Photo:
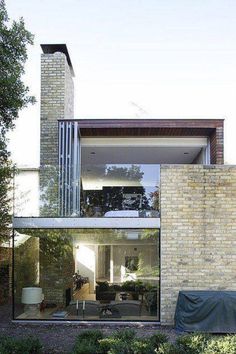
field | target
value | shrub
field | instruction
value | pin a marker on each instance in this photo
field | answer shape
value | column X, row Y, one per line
column 124, row 341
column 192, row 343
column 221, row 345
column 103, row 286
column 168, row 348
column 126, row 334
column 106, row 344
column 132, row 285
column 206, row 344
column 20, row 346
column 143, row 346
column 85, row 347
column 119, row 342
column 120, row 347
column 90, row 335
column 157, row 339
column 87, row 342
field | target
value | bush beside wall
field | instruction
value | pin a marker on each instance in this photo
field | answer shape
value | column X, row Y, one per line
column 126, row 342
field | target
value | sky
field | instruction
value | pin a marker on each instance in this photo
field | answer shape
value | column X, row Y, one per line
column 134, row 59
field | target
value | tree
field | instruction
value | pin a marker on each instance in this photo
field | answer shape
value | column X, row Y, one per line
column 14, row 39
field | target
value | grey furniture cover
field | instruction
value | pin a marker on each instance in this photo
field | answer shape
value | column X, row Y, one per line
column 206, row 311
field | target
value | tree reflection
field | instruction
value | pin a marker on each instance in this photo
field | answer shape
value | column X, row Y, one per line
column 114, row 188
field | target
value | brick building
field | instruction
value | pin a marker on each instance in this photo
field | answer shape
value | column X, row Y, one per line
column 140, row 209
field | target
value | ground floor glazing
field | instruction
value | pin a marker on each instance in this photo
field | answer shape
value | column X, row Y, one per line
column 86, row 274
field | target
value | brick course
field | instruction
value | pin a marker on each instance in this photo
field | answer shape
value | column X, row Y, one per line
column 198, row 231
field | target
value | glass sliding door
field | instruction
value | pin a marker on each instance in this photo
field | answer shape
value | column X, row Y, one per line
column 86, row 274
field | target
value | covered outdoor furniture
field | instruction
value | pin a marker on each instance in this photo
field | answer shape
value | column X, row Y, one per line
column 206, row 311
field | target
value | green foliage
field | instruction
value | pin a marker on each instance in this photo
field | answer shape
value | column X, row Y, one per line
column 13, row 55
column 54, row 243
column 20, row 346
column 206, row 344
column 106, row 344
column 157, row 339
column 119, row 343
column 111, row 198
column 120, row 347
column 168, row 348
column 26, row 260
column 132, row 285
column 192, row 343
column 14, row 39
column 143, row 346
column 6, row 174
column 103, row 286
column 125, row 342
column 126, row 334
column 87, row 342
column 221, row 345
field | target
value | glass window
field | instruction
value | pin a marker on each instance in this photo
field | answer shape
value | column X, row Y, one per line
column 90, row 274
column 120, row 190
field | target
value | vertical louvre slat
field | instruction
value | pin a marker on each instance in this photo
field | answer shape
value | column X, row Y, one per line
column 74, row 190
column 62, row 169
column 66, row 171
column 69, row 169
column 59, row 170
column 78, row 169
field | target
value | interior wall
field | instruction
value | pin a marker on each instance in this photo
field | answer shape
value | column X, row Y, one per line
column 148, row 254
column 90, row 261
column 86, row 256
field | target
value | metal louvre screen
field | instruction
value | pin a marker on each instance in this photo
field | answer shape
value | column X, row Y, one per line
column 69, row 169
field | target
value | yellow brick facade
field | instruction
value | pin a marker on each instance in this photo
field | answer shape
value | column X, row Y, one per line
column 198, row 231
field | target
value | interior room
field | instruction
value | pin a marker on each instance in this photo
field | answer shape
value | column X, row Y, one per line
column 86, row 274
column 120, row 176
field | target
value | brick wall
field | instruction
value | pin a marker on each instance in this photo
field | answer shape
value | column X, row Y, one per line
column 217, row 146
column 56, row 268
column 198, row 231
column 26, row 261
column 57, row 102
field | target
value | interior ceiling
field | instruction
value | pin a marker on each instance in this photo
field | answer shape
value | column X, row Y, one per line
column 138, row 155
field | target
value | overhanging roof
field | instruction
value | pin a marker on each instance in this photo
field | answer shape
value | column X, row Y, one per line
column 148, row 127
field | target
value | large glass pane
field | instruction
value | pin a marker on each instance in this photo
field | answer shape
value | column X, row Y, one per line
column 120, row 190
column 102, row 191
column 90, row 274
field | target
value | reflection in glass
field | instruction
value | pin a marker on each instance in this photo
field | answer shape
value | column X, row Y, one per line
column 108, row 190
column 120, row 190
column 89, row 274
